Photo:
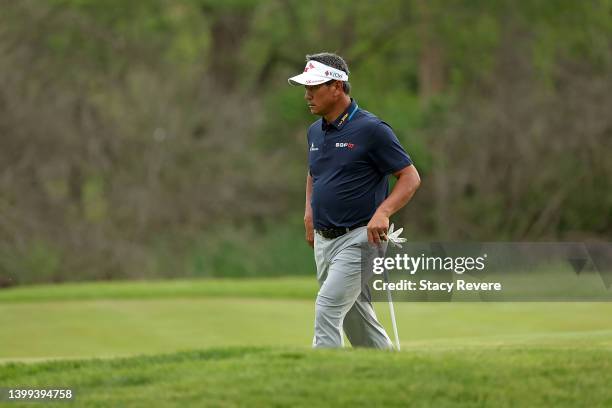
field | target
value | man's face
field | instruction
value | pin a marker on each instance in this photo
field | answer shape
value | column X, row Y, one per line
column 321, row 98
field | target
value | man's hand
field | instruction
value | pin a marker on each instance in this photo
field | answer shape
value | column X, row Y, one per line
column 377, row 228
column 408, row 181
column 309, row 227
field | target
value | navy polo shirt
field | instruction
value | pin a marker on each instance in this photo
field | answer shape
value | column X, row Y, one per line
column 350, row 160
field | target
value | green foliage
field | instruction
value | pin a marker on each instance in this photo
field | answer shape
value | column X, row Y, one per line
column 130, row 125
column 94, row 200
column 250, row 251
column 40, row 261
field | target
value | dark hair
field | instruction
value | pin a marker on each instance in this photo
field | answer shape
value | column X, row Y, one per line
column 334, row 61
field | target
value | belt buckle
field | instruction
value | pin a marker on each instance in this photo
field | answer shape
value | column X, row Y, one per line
column 338, row 232
column 334, row 233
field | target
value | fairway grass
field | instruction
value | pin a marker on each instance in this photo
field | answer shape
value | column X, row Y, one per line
column 111, row 328
column 299, row 377
column 112, row 319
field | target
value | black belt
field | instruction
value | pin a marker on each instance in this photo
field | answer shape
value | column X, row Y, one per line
column 331, row 233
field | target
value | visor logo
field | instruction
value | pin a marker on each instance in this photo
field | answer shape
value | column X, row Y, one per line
column 333, row 74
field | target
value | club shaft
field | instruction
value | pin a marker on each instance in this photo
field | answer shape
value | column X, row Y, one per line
column 392, row 313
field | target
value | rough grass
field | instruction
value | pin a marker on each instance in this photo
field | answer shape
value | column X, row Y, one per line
column 297, row 377
column 269, row 288
column 226, row 343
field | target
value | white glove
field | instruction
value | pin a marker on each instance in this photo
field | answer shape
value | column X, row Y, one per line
column 394, row 236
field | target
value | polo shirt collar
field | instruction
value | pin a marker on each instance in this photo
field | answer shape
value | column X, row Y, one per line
column 342, row 119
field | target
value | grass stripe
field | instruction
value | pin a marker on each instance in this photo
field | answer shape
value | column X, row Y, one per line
column 269, row 288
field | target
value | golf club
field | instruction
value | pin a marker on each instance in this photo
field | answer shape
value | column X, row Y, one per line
column 392, row 312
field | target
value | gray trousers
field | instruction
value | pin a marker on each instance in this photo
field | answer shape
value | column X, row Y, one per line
column 341, row 303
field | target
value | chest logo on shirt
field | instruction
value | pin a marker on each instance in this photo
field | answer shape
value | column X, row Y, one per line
column 345, row 145
column 313, row 148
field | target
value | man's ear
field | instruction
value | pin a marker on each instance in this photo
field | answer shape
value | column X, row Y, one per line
column 339, row 87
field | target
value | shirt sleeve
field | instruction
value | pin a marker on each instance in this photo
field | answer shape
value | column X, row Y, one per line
column 386, row 152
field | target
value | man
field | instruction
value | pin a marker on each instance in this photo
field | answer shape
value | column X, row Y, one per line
column 351, row 154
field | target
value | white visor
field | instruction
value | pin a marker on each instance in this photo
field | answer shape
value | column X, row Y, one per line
column 316, row 73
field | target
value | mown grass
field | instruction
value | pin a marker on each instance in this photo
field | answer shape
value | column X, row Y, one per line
column 298, row 377
column 245, row 343
column 121, row 327
column 109, row 319
column 269, row 288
